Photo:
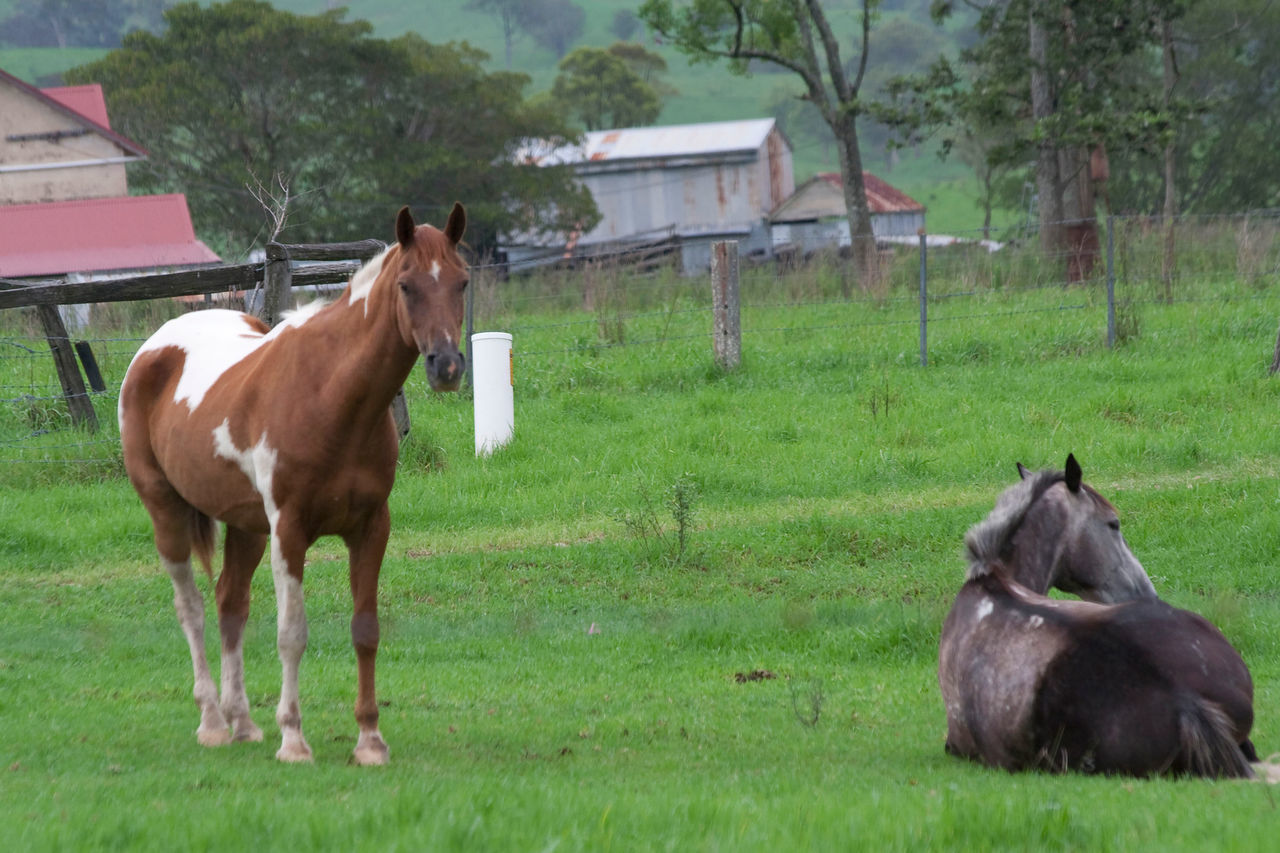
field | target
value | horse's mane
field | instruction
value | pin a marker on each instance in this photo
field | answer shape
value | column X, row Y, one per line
column 986, row 540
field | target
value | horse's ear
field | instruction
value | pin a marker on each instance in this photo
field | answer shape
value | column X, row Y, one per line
column 1023, row 473
column 1074, row 474
column 404, row 227
column 457, row 223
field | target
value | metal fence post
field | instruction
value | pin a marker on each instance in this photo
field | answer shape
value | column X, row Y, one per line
column 726, row 339
column 1111, row 281
column 924, row 300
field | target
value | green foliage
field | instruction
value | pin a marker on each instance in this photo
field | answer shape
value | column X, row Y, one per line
column 354, row 126
column 600, row 88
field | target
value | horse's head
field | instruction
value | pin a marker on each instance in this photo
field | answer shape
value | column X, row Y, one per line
column 432, row 278
column 1053, row 530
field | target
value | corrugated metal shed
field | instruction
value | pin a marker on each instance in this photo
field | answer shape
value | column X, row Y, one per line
column 715, row 140
column 696, row 182
column 815, row 216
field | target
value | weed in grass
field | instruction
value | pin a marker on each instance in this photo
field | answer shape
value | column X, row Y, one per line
column 1128, row 323
column 807, row 699
column 648, row 525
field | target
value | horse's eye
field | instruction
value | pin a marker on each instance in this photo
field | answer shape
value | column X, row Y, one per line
column 1114, row 524
column 404, row 287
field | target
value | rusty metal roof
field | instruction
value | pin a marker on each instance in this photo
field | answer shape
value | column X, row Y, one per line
column 822, row 196
column 655, row 143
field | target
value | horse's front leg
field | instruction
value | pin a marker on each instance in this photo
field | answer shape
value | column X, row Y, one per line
column 288, row 551
column 366, row 550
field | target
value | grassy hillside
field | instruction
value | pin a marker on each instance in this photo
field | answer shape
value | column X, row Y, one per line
column 706, row 91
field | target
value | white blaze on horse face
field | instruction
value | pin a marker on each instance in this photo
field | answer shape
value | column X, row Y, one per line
column 362, row 281
column 984, row 608
column 435, row 270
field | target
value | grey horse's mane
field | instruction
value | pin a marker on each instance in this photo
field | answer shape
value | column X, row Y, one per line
column 986, row 540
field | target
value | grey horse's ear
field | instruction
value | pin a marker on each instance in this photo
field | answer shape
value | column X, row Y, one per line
column 1023, row 472
column 1074, row 474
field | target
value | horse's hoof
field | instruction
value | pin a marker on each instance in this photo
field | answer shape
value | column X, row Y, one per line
column 294, row 751
column 246, row 732
column 213, row 736
column 294, row 756
column 372, row 756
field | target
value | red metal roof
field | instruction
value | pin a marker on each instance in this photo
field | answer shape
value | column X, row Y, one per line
column 881, row 197
column 86, row 100
column 98, row 235
column 70, row 103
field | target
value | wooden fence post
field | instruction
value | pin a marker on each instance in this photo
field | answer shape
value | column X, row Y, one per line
column 277, row 284
column 726, row 338
column 64, row 359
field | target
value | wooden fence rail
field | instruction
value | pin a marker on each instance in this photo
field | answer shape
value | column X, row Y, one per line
column 329, row 263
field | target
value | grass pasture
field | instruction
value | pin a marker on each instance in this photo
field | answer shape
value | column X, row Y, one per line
column 823, row 488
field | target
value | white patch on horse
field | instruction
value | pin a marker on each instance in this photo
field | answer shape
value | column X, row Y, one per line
column 362, row 281
column 1036, row 620
column 984, row 608
column 258, row 464
column 435, row 270
column 213, row 342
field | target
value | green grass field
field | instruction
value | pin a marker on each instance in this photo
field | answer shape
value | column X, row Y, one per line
column 827, row 484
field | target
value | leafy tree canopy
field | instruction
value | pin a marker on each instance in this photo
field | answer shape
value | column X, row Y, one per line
column 239, row 93
column 600, row 88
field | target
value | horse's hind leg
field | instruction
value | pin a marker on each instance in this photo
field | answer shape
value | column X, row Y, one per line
column 173, row 541
column 243, row 552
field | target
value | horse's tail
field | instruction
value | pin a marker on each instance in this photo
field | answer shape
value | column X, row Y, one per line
column 204, row 531
column 1209, row 747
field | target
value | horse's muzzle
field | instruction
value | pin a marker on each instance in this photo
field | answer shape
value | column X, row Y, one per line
column 445, row 369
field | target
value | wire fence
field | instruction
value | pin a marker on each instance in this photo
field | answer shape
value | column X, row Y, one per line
column 590, row 311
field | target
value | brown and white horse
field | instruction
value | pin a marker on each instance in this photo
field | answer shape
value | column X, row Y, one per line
column 1119, row 683
column 287, row 433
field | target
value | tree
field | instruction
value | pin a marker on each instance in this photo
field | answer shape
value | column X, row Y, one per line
column 1067, row 84
column 556, row 24
column 602, row 91
column 796, row 35
column 240, row 93
column 624, row 24
column 76, row 23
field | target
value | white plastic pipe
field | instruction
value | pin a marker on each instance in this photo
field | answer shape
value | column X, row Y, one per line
column 493, row 379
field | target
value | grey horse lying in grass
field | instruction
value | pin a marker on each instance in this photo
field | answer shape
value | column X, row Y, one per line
column 1118, row 683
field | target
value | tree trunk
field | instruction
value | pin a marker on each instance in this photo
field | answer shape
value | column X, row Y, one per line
column 1080, row 228
column 1168, row 264
column 1048, row 180
column 862, row 239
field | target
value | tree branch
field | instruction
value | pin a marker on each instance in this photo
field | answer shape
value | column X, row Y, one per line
column 812, row 79
column 831, row 47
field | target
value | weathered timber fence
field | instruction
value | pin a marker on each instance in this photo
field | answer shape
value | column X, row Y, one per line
column 331, row 263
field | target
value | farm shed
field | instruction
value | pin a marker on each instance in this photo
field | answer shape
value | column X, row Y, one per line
column 815, row 217
column 65, row 208
column 693, row 183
